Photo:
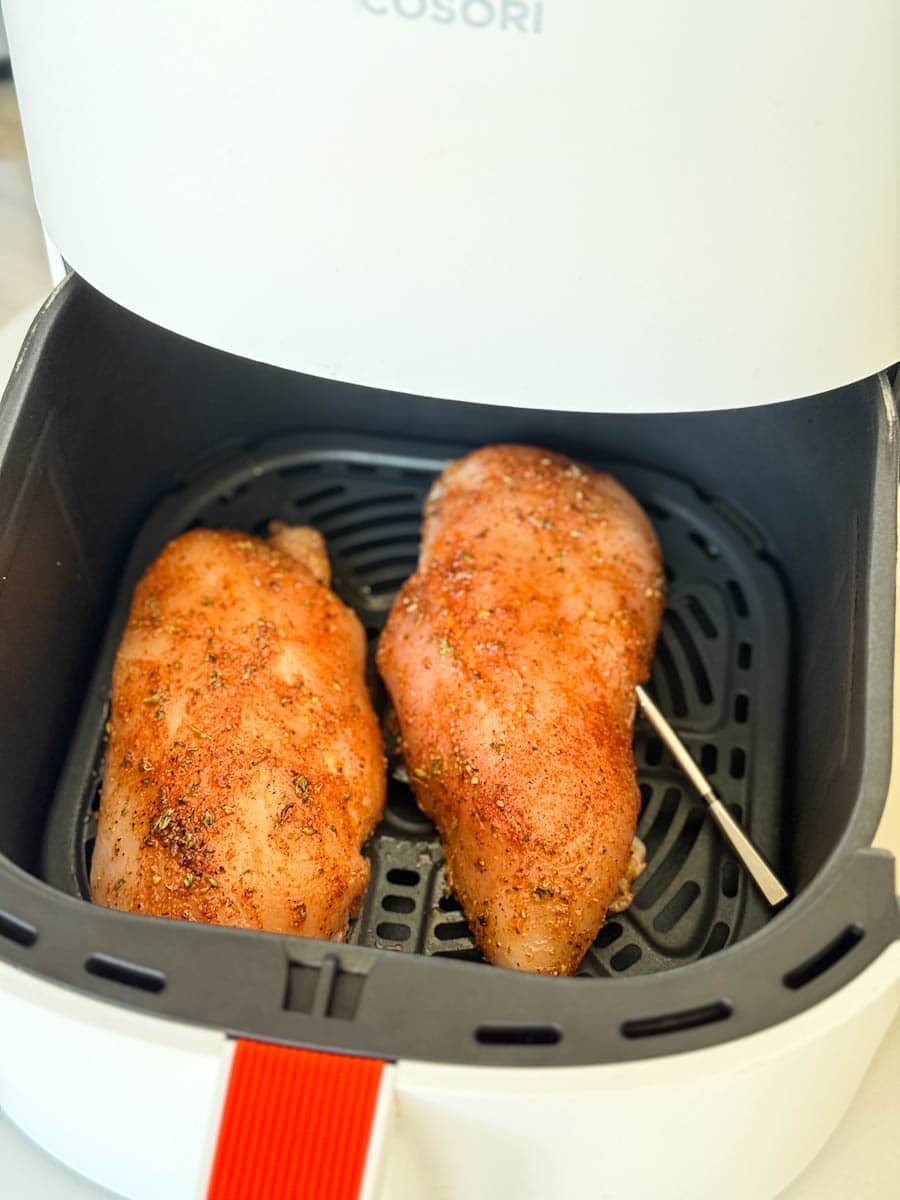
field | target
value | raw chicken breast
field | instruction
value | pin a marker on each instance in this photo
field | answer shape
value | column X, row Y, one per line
column 512, row 657
column 244, row 769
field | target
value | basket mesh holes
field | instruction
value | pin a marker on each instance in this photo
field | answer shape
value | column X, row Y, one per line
column 301, row 470
column 610, row 933
column 364, row 505
column 738, row 599
column 654, row 836
column 730, row 877
column 653, row 888
column 692, row 655
column 745, row 656
column 669, row 916
column 654, row 509
column 738, row 763
column 665, row 665
column 626, row 957
column 709, row 759
column 449, row 904
column 399, row 539
column 451, row 931
column 229, row 497
column 704, row 621
column 388, row 562
column 375, row 519
column 393, row 931
column 718, row 936
column 403, row 810
column 741, row 708
column 326, row 493
column 402, row 876
column 398, row 904
column 653, row 752
column 393, row 583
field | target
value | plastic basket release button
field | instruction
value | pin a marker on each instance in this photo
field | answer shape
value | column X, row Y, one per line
column 296, row 1123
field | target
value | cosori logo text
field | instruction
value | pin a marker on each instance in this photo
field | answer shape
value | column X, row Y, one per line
column 508, row 16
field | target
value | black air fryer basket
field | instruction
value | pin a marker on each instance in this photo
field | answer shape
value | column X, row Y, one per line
column 775, row 664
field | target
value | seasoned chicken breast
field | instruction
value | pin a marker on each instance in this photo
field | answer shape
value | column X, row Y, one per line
column 244, row 769
column 512, row 657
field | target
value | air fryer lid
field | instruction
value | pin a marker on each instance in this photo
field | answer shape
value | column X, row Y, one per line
column 524, row 204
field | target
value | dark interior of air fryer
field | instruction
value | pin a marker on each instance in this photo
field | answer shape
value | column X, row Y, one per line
column 766, row 521
column 722, row 657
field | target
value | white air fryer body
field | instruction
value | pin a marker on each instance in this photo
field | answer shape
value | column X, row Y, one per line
column 683, row 1127
column 554, row 204
column 570, row 204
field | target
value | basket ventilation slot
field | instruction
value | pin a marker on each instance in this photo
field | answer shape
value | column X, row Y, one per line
column 119, row 970
column 17, row 930
column 518, row 1035
column 689, row 1018
column 832, row 954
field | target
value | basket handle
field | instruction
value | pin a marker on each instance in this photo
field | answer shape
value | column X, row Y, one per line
column 301, row 1123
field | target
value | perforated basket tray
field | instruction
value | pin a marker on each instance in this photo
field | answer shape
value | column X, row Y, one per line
column 720, row 675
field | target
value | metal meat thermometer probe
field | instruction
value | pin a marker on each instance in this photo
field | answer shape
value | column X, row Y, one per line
column 759, row 870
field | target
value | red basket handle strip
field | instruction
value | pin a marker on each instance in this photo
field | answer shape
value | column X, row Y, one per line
column 297, row 1124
